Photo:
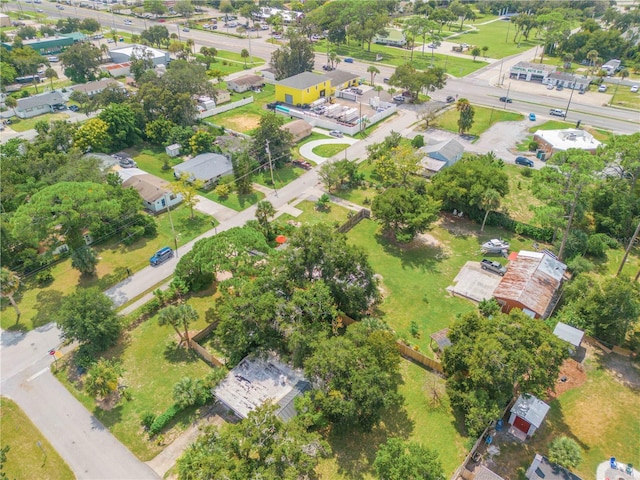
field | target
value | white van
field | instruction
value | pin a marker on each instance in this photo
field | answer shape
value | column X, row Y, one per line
column 602, row 88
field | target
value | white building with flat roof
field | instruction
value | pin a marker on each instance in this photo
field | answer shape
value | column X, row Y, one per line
column 552, row 141
column 125, row 53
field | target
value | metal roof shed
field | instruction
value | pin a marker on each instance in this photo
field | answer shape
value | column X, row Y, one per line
column 528, row 413
column 569, row 334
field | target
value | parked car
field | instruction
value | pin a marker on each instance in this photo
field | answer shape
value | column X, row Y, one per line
column 335, row 133
column 74, row 108
column 59, row 107
column 450, row 99
column 581, row 92
column 385, row 80
column 634, row 88
column 127, row 163
column 399, row 99
column 128, row 22
column 328, row 68
column 264, row 26
column 506, row 99
column 602, row 88
column 53, row 59
column 559, row 88
column 494, row 267
column 109, row 40
column 558, row 112
column 549, row 87
column 272, row 105
column 185, row 29
column 532, row 117
column 348, row 60
column 432, row 45
column 527, row 162
column 161, row 256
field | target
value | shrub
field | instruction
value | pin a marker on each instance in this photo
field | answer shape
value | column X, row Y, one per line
column 565, row 452
column 163, row 420
column 526, row 172
column 147, row 420
column 223, row 190
column 576, row 244
column 44, row 277
column 597, row 245
column 579, row 264
column 533, row 146
column 418, row 141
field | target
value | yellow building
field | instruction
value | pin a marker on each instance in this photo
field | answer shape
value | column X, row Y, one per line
column 304, row 88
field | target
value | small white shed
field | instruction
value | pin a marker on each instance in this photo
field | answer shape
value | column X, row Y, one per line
column 528, row 413
column 173, row 150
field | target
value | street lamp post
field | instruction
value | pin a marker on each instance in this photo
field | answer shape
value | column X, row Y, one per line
column 507, row 98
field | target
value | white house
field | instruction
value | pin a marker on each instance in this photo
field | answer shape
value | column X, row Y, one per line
column 38, row 104
column 154, row 191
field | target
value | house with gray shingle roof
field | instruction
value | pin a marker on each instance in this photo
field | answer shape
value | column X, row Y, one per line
column 38, row 104
column 440, row 155
column 208, row 167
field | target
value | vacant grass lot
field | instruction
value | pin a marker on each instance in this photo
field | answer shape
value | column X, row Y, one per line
column 520, row 198
column 625, row 98
column 596, row 414
column 484, row 118
column 494, row 36
column 421, row 418
column 456, row 66
column 151, row 159
column 245, row 119
column 333, row 215
column 152, row 364
column 22, row 125
column 282, row 176
column 36, row 303
column 31, row 455
column 235, row 200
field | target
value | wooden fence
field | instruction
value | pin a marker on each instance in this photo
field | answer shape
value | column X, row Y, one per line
column 421, row 358
column 353, row 221
column 204, row 354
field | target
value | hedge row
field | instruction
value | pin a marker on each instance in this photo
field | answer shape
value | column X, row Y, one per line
column 162, row 420
column 501, row 220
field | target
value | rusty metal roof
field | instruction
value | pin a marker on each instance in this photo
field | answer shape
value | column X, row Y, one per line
column 532, row 280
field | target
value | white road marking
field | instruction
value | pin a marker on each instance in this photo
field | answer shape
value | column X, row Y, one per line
column 37, row 374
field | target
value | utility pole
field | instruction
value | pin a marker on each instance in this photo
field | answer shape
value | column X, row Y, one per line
column 570, row 97
column 173, row 232
column 505, row 100
column 628, row 250
column 273, row 182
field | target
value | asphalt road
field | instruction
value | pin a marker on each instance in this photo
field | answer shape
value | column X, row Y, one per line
column 84, row 443
column 479, row 87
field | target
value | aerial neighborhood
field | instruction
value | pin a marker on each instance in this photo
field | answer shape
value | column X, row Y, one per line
column 320, row 239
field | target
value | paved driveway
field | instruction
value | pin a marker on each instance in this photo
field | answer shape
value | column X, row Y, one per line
column 82, row 441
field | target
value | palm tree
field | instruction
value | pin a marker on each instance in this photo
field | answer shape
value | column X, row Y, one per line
column 50, row 73
column 12, row 103
column 592, row 55
column 490, row 201
column 9, row 285
column 264, row 211
column 104, row 49
column 191, row 45
column 178, row 316
column 373, row 71
column 244, row 54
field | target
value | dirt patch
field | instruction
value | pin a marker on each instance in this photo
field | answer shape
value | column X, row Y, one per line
column 243, row 123
column 571, row 375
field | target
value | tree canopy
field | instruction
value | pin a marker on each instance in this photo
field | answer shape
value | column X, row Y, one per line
column 81, row 61
column 260, row 446
column 88, row 316
column 294, row 58
column 400, row 460
column 493, row 359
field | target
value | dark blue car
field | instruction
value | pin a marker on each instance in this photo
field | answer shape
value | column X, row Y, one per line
column 161, row 256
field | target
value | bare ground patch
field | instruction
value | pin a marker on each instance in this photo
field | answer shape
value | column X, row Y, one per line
column 243, row 123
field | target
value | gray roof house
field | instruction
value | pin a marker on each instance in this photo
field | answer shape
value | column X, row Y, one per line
column 94, row 88
column 155, row 192
column 527, row 414
column 342, row 79
column 38, row 104
column 541, row 468
column 208, row 167
column 245, row 82
column 440, row 155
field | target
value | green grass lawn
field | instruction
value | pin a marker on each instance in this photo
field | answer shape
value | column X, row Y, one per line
column 364, row 194
column 246, row 118
column 597, row 414
column 328, row 151
column 22, row 125
column 36, row 303
column 520, row 198
column 420, row 418
column 30, row 455
column 334, row 215
column 314, row 136
column 484, row 118
column 415, row 276
column 625, row 98
column 151, row 159
column 282, row 176
column 234, row 200
column 494, row 36
column 152, row 364
column 456, row 66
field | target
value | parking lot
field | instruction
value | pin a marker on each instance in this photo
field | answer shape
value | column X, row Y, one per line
column 474, row 283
